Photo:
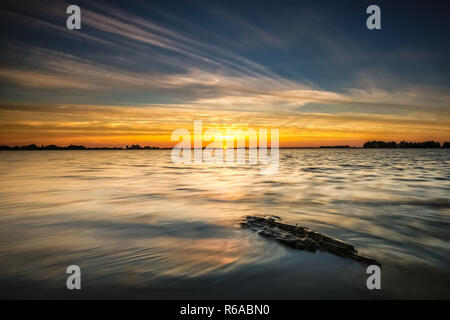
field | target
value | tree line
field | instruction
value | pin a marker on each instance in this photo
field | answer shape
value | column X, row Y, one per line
column 75, row 147
column 405, row 144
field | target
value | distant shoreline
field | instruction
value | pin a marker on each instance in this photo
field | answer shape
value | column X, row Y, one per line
column 25, row 148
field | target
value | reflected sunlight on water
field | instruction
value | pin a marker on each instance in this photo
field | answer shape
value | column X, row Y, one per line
column 135, row 221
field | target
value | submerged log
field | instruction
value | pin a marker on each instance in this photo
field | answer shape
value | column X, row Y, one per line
column 302, row 238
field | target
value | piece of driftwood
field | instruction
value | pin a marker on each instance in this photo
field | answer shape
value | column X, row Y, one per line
column 302, row 238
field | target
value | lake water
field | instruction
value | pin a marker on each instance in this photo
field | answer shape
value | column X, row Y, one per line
column 140, row 226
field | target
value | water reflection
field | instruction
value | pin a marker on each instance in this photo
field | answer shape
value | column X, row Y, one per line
column 134, row 220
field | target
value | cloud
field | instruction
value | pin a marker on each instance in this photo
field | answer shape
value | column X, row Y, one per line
column 41, row 123
column 222, row 67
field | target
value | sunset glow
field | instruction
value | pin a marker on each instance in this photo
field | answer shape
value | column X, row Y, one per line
column 133, row 77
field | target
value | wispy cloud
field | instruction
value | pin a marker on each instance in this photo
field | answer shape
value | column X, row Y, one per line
column 120, row 125
column 211, row 62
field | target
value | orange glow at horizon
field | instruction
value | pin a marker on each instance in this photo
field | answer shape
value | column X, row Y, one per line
column 110, row 126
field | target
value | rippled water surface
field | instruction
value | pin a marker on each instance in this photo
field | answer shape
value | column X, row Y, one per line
column 140, row 226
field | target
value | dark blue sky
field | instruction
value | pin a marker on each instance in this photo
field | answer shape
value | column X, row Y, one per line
column 323, row 44
column 261, row 56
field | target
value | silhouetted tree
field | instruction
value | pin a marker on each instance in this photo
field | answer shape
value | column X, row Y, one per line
column 380, row 144
column 30, row 147
column 425, row 144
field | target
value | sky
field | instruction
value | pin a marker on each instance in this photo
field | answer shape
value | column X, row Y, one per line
column 138, row 70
